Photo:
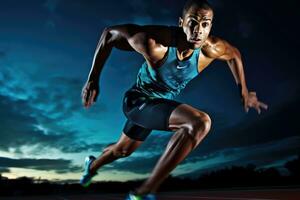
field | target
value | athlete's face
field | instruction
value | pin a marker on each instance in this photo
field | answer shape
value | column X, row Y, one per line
column 196, row 25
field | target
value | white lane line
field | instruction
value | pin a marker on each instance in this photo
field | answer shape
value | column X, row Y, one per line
column 225, row 198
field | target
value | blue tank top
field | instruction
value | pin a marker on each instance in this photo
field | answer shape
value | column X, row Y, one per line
column 170, row 78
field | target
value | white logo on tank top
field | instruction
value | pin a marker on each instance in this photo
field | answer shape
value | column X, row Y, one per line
column 181, row 67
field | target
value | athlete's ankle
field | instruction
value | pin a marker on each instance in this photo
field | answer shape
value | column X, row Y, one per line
column 141, row 191
column 92, row 168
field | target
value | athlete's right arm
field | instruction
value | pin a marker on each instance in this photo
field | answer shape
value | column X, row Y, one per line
column 130, row 37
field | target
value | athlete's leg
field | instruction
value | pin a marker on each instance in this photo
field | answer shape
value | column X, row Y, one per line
column 190, row 126
column 131, row 138
column 123, row 148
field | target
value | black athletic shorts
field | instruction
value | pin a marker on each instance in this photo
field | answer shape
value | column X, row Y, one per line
column 145, row 113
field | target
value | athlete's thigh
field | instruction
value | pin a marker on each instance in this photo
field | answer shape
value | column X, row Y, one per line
column 183, row 115
column 135, row 132
column 153, row 113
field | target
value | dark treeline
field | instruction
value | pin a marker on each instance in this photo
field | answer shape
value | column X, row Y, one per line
column 235, row 176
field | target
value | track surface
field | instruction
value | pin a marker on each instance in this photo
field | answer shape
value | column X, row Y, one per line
column 271, row 194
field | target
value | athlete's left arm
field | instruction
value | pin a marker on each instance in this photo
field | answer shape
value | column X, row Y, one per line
column 220, row 49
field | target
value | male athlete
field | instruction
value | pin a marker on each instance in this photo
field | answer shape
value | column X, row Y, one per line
column 174, row 56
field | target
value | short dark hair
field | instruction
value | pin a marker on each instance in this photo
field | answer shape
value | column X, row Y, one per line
column 199, row 3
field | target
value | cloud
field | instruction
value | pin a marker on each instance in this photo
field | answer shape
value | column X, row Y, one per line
column 35, row 110
column 17, row 83
column 57, row 165
column 42, row 94
column 60, row 98
column 18, row 129
column 4, row 170
column 78, row 147
column 138, row 165
column 12, row 135
column 260, row 155
column 63, row 94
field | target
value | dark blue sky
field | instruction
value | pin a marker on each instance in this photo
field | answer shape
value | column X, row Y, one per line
column 46, row 51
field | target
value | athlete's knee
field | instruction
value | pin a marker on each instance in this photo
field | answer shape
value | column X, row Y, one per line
column 199, row 125
column 120, row 152
column 109, row 147
column 206, row 121
column 117, row 151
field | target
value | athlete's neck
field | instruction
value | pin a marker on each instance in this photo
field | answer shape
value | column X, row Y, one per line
column 183, row 49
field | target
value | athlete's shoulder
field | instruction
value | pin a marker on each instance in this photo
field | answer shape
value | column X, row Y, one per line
column 142, row 34
column 156, row 40
column 214, row 47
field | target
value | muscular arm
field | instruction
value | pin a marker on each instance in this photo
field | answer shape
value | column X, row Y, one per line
column 129, row 37
column 217, row 48
column 149, row 41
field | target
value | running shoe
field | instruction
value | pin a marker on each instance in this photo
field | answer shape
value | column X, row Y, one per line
column 87, row 176
column 132, row 196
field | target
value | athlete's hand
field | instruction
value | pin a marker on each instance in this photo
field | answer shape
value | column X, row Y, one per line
column 250, row 101
column 89, row 93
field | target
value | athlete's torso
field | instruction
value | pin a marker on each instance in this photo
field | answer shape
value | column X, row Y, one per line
column 167, row 80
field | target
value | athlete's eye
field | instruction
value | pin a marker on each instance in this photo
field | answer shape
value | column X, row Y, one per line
column 192, row 23
column 205, row 24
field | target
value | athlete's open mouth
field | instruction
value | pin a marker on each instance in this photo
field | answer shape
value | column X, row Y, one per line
column 195, row 40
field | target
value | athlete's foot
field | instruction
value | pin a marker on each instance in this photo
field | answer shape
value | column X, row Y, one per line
column 133, row 196
column 87, row 176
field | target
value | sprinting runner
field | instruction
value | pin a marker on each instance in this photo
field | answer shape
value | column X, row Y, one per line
column 173, row 57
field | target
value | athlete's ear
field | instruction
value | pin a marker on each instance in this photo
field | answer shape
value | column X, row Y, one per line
column 180, row 22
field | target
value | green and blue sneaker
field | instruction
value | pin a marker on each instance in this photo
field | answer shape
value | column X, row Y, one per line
column 132, row 196
column 87, row 176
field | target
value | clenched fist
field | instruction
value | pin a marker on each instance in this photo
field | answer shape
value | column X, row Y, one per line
column 90, row 92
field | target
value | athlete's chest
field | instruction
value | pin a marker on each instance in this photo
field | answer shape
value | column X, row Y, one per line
column 168, row 56
column 179, row 71
column 174, row 72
